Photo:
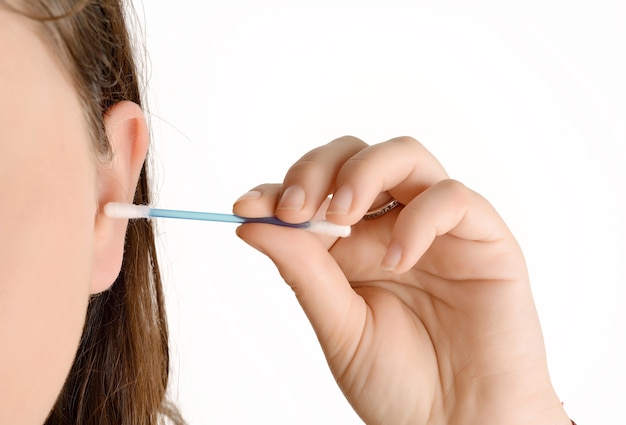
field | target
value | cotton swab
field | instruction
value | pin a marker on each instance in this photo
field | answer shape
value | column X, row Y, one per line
column 122, row 210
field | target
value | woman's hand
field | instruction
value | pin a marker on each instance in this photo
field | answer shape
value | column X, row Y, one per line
column 425, row 314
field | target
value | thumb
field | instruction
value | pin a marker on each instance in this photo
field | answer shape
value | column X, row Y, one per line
column 335, row 311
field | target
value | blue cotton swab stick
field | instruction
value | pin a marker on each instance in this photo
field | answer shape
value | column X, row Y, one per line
column 122, row 210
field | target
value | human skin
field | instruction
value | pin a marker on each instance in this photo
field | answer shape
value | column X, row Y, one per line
column 425, row 314
column 450, row 336
column 56, row 248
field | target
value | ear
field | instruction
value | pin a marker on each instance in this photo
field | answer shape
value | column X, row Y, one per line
column 128, row 136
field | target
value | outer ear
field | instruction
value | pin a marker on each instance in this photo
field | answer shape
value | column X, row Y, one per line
column 128, row 135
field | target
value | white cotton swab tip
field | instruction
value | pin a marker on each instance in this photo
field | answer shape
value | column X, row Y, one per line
column 324, row 227
column 121, row 210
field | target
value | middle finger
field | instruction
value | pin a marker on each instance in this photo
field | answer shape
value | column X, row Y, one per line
column 311, row 179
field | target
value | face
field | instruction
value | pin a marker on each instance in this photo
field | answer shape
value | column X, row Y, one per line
column 47, row 213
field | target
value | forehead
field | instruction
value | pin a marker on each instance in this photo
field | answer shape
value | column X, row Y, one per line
column 31, row 75
column 41, row 114
column 27, row 50
column 21, row 47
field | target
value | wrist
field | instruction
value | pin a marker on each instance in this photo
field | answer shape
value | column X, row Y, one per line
column 517, row 402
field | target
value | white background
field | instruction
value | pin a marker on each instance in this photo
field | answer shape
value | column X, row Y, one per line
column 522, row 101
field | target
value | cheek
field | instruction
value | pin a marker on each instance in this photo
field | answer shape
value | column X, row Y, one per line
column 51, row 206
column 47, row 213
column 47, row 186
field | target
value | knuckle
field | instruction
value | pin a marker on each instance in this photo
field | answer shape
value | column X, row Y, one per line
column 454, row 186
column 355, row 168
column 407, row 140
column 456, row 191
column 350, row 140
column 267, row 188
column 307, row 167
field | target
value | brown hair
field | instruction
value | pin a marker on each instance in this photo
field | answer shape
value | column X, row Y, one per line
column 120, row 373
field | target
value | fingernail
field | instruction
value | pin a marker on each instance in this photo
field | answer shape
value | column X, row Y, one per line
column 253, row 194
column 292, row 199
column 392, row 258
column 341, row 201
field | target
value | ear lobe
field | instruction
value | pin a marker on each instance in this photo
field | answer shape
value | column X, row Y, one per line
column 128, row 135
